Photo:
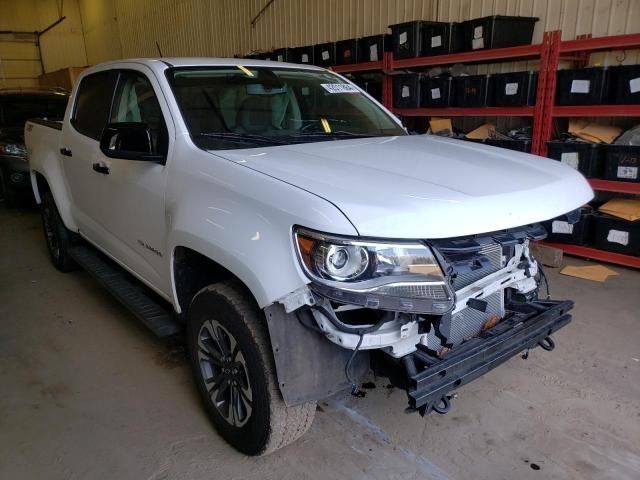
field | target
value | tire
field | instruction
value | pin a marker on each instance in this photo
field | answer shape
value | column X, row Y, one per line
column 59, row 239
column 219, row 316
column 8, row 192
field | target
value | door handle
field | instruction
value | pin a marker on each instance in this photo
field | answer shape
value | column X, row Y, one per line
column 101, row 168
column 65, row 151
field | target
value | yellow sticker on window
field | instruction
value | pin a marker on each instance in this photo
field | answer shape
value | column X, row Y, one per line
column 325, row 125
column 246, row 70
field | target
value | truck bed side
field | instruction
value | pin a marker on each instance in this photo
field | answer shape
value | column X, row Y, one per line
column 42, row 139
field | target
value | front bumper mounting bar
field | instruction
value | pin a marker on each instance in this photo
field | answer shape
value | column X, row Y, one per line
column 432, row 379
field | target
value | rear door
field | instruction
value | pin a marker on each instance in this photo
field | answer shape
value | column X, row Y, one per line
column 79, row 151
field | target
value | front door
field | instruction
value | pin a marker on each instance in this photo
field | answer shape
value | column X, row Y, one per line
column 126, row 213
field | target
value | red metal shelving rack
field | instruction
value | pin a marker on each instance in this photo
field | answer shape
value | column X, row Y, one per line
column 582, row 46
column 615, row 186
column 596, row 254
column 466, row 112
column 543, row 113
column 540, row 50
column 383, row 66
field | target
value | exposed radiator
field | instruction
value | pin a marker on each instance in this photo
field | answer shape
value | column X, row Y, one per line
column 467, row 323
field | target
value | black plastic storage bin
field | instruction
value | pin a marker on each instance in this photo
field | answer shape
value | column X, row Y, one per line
column 617, row 235
column 498, row 31
column 473, row 91
column 371, row 49
column 579, row 233
column 622, row 162
column 516, row 89
column 406, row 90
column 407, row 39
column 259, row 56
column 585, row 157
column 324, row 54
column 347, row 51
column 281, row 55
column 302, row 55
column 370, row 83
column 625, row 81
column 439, row 38
column 583, row 86
column 436, row 92
column 510, row 144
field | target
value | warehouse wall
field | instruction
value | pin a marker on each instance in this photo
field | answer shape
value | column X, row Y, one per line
column 62, row 46
column 223, row 27
column 99, row 30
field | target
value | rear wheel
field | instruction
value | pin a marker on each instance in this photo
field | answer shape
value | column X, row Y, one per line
column 230, row 354
column 58, row 237
column 7, row 191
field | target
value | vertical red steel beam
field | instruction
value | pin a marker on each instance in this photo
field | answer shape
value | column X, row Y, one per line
column 548, row 99
column 585, row 55
column 538, row 111
column 387, row 88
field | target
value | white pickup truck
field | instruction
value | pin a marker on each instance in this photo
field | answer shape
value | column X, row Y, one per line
column 287, row 221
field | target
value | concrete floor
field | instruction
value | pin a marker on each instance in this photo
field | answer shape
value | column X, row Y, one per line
column 88, row 394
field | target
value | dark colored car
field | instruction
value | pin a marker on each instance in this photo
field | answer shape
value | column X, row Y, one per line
column 16, row 107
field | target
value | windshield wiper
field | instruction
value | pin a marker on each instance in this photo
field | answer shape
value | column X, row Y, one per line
column 335, row 134
column 242, row 137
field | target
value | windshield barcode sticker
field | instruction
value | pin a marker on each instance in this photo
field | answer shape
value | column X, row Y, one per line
column 436, row 41
column 634, row 85
column 435, row 93
column 340, row 88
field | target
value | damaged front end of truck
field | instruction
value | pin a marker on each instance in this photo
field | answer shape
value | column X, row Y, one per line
column 428, row 315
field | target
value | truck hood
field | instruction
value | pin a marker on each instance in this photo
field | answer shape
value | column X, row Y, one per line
column 423, row 186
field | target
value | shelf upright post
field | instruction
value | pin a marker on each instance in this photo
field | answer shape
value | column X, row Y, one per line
column 548, row 100
column 539, row 109
column 387, row 87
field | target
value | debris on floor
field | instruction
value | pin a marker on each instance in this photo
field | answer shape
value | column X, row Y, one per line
column 596, row 273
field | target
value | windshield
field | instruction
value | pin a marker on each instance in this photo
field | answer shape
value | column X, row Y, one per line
column 16, row 110
column 244, row 107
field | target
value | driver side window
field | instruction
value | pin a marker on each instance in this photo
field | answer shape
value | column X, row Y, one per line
column 136, row 101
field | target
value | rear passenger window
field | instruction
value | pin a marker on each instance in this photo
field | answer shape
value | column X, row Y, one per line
column 93, row 102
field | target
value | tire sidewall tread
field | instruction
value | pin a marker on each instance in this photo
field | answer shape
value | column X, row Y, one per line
column 273, row 425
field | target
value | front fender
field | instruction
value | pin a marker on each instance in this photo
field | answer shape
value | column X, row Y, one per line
column 242, row 220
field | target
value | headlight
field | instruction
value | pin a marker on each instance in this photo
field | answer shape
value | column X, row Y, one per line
column 12, row 150
column 376, row 274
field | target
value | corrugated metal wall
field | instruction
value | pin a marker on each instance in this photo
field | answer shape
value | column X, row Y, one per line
column 223, row 27
column 99, row 30
column 61, row 47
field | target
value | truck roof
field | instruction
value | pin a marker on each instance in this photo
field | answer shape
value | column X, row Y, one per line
column 203, row 62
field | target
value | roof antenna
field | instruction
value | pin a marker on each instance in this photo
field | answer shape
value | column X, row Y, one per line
column 158, row 47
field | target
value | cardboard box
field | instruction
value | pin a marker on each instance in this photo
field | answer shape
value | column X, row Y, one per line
column 63, row 78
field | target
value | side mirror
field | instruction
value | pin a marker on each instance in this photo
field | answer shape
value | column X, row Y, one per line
column 129, row 141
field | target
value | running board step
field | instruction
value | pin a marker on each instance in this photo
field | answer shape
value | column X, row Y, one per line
column 158, row 319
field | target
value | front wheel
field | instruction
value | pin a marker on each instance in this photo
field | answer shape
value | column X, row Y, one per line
column 230, row 354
